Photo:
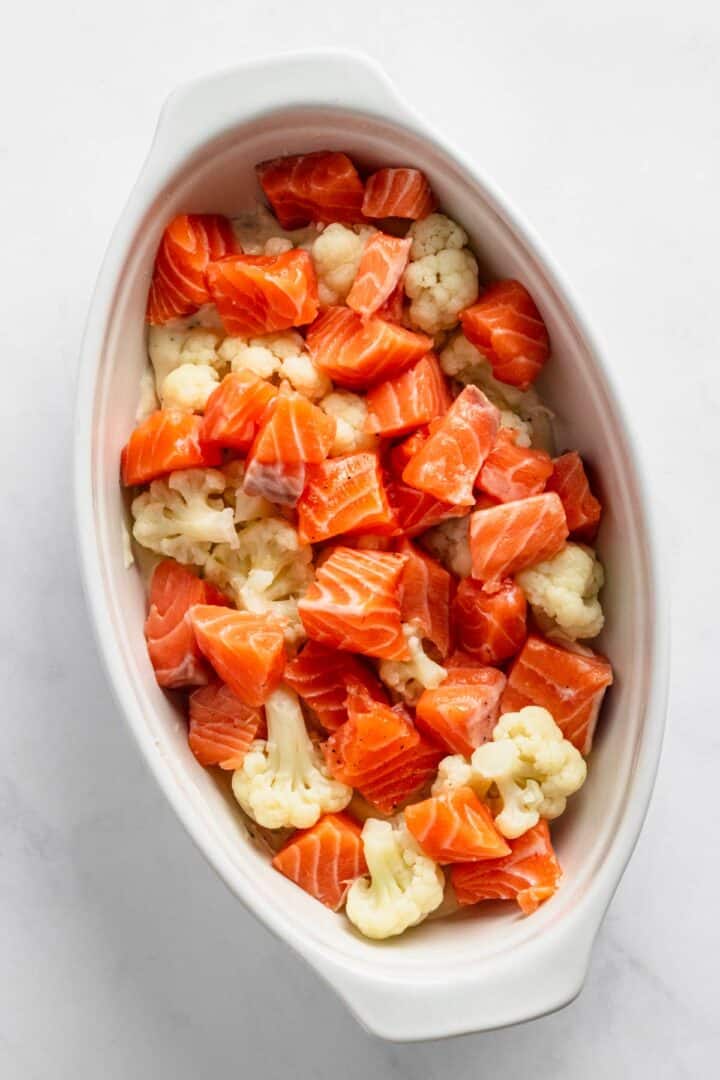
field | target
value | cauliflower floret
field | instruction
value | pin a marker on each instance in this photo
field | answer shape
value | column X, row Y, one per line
column 403, row 887
column 305, row 377
column 336, row 255
column 265, row 571
column 188, row 387
column 565, row 590
column 247, row 507
column 284, row 781
column 408, row 678
column 148, row 402
column 442, row 278
column 183, row 515
column 521, row 410
column 260, row 233
column 449, row 542
column 529, row 768
column 453, row 772
column 350, row 412
column 282, row 355
column 277, row 245
column 181, row 342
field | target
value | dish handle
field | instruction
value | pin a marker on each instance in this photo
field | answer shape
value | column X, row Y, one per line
column 516, row 985
column 205, row 108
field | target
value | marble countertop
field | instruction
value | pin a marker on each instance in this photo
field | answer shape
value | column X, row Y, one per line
column 121, row 953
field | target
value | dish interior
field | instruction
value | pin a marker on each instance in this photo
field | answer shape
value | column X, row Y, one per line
column 219, row 178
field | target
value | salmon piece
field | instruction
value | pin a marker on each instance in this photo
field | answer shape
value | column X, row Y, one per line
column 381, row 268
column 409, row 400
column 235, row 409
column 461, row 713
column 506, row 326
column 530, row 874
column 569, row 684
column 514, row 472
column 247, row 651
column 401, row 453
column 447, row 464
column 356, row 353
column 392, row 309
column 402, row 193
column 323, row 186
column 415, row 511
column 190, row 242
column 168, row 440
column 321, row 677
column 582, row 510
column 344, row 494
column 455, row 827
column 260, row 294
column 324, row 860
column 491, row 627
column 379, row 752
column 171, row 644
column 354, row 604
column 426, row 596
column 505, row 539
column 460, row 659
column 222, row 727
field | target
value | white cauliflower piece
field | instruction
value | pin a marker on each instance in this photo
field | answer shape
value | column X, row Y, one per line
column 449, row 542
column 183, row 515
column 565, row 590
column 529, row 768
column 188, row 387
column 350, row 412
column 304, row 376
column 336, row 256
column 404, row 885
column 408, row 678
column 260, row 233
column 453, row 772
column 277, row 245
column 148, row 402
column 284, row 781
column 266, row 571
column 442, row 277
column 521, row 410
column 180, row 342
column 247, row 507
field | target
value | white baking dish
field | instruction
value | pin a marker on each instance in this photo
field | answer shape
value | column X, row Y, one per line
column 491, row 966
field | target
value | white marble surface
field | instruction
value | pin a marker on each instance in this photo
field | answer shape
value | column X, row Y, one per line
column 121, row 954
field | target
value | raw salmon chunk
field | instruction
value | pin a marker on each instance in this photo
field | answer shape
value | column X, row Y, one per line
column 235, row 408
column 530, row 874
column 447, row 464
column 505, row 539
column 415, row 511
column 409, row 400
column 260, row 294
column 426, row 596
column 189, row 244
column 402, row 193
column 222, row 727
column 321, row 677
column 247, row 651
column 381, row 268
column 506, row 326
column 380, row 753
column 168, row 440
column 461, row 713
column 344, row 494
column 582, row 510
column 324, row 860
column 354, row 604
column 455, row 827
column 323, row 186
column 171, row 644
column 514, row 472
column 490, row 627
column 570, row 685
column 356, row 353
column 401, row 452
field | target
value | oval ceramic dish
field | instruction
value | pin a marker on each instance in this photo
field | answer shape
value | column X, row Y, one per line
column 490, row 966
